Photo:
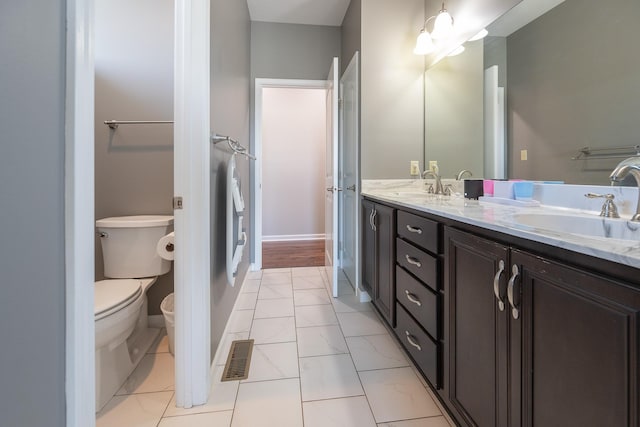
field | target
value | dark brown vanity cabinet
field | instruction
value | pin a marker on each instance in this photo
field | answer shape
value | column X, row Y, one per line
column 534, row 342
column 378, row 256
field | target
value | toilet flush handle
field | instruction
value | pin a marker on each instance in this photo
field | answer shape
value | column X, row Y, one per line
column 102, row 234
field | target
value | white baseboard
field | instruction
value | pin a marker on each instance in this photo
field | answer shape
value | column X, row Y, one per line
column 156, row 321
column 292, row 237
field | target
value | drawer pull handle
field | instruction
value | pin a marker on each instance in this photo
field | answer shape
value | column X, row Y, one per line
column 496, row 285
column 414, row 299
column 412, row 260
column 414, row 229
column 412, row 342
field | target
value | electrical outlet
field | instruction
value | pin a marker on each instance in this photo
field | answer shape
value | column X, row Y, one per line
column 523, row 154
column 433, row 166
column 414, row 168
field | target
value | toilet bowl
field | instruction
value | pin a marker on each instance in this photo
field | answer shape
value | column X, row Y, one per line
column 120, row 303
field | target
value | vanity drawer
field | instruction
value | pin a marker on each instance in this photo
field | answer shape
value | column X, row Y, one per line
column 424, row 351
column 419, row 263
column 418, row 300
column 421, row 231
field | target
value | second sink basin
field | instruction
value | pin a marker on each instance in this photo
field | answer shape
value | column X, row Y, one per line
column 593, row 226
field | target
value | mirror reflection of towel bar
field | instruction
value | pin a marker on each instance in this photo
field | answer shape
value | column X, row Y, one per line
column 607, row 152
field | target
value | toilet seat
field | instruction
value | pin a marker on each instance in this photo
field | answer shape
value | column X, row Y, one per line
column 113, row 295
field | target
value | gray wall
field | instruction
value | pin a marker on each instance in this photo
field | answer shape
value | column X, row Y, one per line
column 134, row 81
column 351, row 30
column 230, row 63
column 454, row 105
column 392, row 90
column 573, row 81
column 290, row 51
column 32, row 88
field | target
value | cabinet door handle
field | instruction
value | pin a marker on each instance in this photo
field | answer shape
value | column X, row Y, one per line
column 373, row 219
column 414, row 299
column 496, row 285
column 411, row 341
column 412, row 260
column 414, row 229
column 514, row 310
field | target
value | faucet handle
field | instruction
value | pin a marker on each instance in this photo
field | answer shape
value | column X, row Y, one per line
column 430, row 189
column 609, row 209
column 447, row 189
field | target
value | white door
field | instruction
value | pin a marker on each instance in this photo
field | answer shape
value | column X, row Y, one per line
column 331, row 180
column 349, row 176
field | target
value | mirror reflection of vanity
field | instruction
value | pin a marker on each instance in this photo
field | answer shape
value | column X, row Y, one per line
column 551, row 78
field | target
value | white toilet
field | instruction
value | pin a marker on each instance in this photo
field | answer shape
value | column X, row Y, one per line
column 132, row 265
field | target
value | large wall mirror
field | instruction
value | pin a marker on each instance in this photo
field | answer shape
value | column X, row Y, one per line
column 551, row 78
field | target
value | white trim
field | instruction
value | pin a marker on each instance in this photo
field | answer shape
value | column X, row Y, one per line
column 79, row 216
column 256, row 203
column 192, row 181
column 292, row 237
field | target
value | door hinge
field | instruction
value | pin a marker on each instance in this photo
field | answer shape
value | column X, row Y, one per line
column 177, row 203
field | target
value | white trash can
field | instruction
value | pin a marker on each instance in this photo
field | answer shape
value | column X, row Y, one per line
column 167, row 311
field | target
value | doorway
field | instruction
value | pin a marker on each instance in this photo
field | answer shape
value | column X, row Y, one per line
column 191, row 223
column 290, row 128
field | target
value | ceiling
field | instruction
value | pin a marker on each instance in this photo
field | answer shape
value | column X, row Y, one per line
column 310, row 12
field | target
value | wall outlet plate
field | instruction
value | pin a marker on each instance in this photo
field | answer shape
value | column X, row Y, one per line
column 433, row 166
column 414, row 168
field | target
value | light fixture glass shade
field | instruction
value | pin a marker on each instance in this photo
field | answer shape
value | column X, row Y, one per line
column 424, row 44
column 443, row 26
column 457, row 51
column 481, row 34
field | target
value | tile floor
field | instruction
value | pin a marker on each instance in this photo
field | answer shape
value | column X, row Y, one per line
column 317, row 362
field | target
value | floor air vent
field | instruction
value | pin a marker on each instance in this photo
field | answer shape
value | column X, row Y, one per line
column 238, row 361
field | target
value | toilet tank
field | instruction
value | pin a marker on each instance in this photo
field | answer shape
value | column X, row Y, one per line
column 129, row 245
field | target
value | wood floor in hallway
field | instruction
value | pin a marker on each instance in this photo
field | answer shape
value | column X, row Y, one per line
column 300, row 253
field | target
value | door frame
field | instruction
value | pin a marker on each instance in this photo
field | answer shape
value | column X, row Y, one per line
column 353, row 66
column 191, row 111
column 256, row 202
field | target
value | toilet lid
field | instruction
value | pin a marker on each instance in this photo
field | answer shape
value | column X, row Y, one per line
column 112, row 295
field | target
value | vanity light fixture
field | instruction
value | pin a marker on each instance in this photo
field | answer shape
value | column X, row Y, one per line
column 424, row 44
column 481, row 34
column 443, row 27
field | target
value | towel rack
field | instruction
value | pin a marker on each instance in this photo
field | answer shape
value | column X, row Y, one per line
column 113, row 124
column 233, row 145
column 607, row 153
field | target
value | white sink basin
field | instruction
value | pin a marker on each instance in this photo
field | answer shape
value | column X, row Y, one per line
column 592, row 226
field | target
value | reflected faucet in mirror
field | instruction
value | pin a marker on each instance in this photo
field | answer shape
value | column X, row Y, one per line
column 624, row 168
column 462, row 173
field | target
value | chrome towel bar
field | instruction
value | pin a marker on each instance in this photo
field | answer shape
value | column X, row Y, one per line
column 234, row 145
column 113, row 124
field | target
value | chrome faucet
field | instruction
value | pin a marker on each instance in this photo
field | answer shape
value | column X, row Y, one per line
column 624, row 168
column 434, row 173
column 461, row 174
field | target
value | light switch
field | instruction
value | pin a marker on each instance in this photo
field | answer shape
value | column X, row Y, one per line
column 523, row 154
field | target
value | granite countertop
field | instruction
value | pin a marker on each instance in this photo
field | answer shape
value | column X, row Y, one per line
column 509, row 220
